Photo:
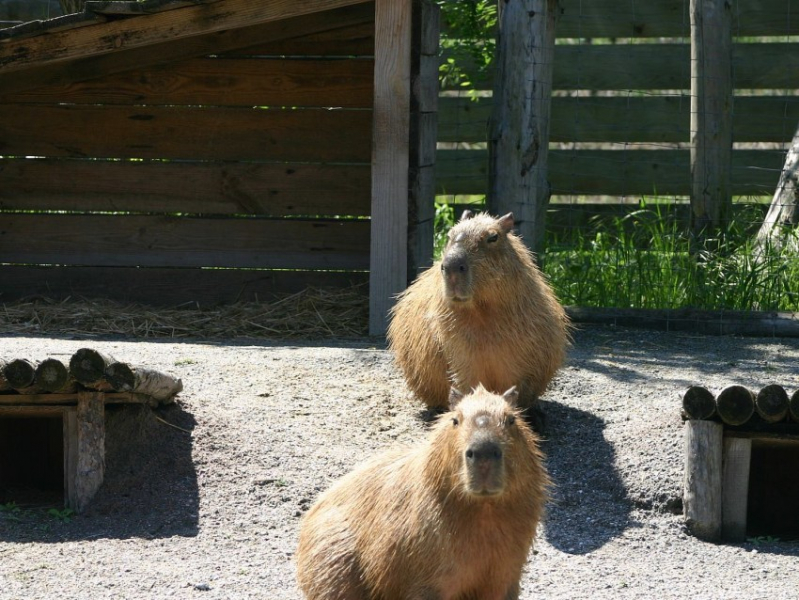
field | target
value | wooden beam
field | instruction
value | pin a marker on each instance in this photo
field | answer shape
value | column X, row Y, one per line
column 186, row 133
column 241, row 82
column 390, row 159
column 210, row 188
column 735, row 488
column 613, row 172
column 702, row 479
column 90, row 52
column 169, row 241
column 70, row 433
column 90, row 468
column 711, row 115
column 56, row 401
column 149, row 29
column 202, row 288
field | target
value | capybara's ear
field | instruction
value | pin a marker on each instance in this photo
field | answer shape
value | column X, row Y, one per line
column 455, row 396
column 466, row 214
column 512, row 396
column 507, row 222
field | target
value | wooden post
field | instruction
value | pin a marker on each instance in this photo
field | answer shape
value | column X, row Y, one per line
column 90, row 461
column 519, row 131
column 711, row 114
column 70, row 429
column 423, row 135
column 735, row 488
column 702, row 480
column 388, row 271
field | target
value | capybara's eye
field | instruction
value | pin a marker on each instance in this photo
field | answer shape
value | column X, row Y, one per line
column 455, row 421
column 492, row 238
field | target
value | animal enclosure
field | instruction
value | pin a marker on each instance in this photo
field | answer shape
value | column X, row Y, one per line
column 172, row 151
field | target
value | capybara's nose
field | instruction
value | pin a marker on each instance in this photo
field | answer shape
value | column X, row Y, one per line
column 483, row 451
column 455, row 263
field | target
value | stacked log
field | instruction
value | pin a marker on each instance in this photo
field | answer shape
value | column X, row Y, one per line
column 87, row 369
column 52, row 375
column 736, row 405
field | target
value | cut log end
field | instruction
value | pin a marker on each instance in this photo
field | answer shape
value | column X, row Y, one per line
column 793, row 406
column 698, row 403
column 735, row 405
column 88, row 366
column 20, row 373
column 772, row 403
column 52, row 375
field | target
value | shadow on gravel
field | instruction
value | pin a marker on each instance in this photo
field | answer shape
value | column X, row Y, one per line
column 589, row 504
column 149, row 491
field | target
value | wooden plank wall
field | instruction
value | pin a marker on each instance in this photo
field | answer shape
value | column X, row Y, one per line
column 621, row 105
column 157, row 184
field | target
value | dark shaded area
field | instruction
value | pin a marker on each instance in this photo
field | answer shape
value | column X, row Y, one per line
column 581, row 464
column 150, row 488
column 773, row 501
column 31, row 460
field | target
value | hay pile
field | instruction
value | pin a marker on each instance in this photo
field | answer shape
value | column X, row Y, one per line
column 310, row 314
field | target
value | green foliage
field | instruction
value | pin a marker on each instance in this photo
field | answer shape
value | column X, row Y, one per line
column 444, row 220
column 64, row 515
column 468, row 40
column 645, row 260
column 10, row 511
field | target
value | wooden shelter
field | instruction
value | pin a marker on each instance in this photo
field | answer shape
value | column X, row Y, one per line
column 205, row 151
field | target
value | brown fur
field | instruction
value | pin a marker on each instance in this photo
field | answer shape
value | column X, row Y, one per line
column 411, row 523
column 505, row 329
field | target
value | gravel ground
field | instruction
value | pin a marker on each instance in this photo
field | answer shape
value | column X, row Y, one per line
column 211, row 510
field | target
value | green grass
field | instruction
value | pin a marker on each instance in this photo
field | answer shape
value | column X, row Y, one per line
column 646, row 260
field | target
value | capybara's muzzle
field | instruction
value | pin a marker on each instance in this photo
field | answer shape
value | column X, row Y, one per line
column 485, row 468
column 457, row 275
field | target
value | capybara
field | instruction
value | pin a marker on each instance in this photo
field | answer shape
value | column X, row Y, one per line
column 483, row 314
column 452, row 518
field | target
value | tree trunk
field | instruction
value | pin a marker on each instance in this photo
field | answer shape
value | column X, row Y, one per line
column 519, row 130
column 711, row 116
column 782, row 212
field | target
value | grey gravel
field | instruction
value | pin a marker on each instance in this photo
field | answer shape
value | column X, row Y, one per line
column 214, row 513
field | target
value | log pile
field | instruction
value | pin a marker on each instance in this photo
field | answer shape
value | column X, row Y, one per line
column 87, row 370
column 738, row 406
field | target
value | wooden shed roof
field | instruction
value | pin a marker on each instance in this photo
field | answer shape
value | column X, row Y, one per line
column 112, row 36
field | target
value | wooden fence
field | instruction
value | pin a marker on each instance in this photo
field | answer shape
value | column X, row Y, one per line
column 621, row 103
